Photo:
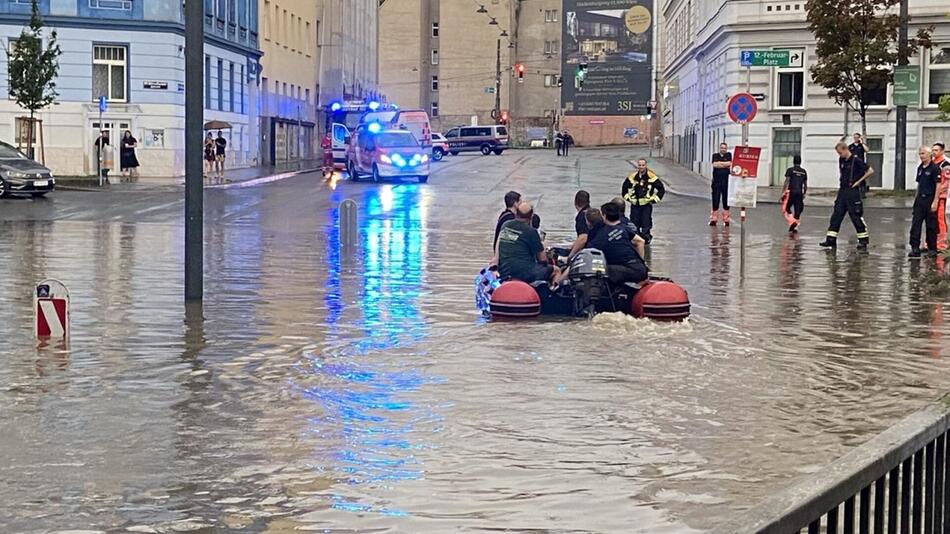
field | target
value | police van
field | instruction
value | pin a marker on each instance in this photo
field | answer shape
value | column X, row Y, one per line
column 484, row 139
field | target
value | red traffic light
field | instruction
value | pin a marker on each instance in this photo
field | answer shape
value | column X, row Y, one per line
column 520, row 68
column 504, row 117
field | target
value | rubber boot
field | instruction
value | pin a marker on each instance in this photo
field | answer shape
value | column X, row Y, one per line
column 914, row 253
column 726, row 217
column 713, row 217
column 829, row 242
column 863, row 243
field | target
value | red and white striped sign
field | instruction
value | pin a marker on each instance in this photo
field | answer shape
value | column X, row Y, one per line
column 51, row 305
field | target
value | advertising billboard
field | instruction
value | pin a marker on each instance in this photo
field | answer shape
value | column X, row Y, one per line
column 607, row 57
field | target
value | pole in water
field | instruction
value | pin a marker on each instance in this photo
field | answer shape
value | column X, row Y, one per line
column 349, row 229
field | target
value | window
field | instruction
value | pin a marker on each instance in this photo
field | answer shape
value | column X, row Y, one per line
column 220, row 9
column 120, row 5
column 790, row 84
column 307, row 94
column 550, row 80
column 435, row 29
column 552, row 47
column 938, row 74
column 231, row 88
column 435, row 83
column 307, row 49
column 109, row 69
column 435, row 56
column 221, row 85
column 875, row 96
column 434, row 110
column 550, row 15
column 207, row 82
column 232, row 11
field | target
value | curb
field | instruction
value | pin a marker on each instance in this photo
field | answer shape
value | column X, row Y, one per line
column 180, row 187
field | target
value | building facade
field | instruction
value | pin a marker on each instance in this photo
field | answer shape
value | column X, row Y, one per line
column 348, row 36
column 132, row 53
column 443, row 56
column 702, row 42
column 289, row 80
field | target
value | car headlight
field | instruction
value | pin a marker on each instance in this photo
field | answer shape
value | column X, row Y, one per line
column 14, row 174
column 385, row 159
column 425, row 158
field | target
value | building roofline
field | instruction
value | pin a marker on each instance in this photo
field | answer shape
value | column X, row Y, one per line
column 54, row 22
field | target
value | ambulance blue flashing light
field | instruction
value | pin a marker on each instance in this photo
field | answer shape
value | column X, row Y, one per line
column 336, row 106
column 373, row 106
column 374, row 127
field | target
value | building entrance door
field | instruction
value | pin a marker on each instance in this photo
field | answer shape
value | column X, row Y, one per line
column 115, row 130
column 786, row 144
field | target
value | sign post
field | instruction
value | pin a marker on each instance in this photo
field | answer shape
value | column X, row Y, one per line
column 102, row 148
column 51, row 309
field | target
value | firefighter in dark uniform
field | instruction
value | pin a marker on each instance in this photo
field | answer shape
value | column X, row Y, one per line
column 642, row 189
column 796, row 185
column 853, row 171
column 925, row 204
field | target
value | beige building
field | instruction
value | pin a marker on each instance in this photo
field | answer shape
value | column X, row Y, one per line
column 289, row 79
column 315, row 52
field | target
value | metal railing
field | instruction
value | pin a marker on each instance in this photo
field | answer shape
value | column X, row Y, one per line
column 896, row 483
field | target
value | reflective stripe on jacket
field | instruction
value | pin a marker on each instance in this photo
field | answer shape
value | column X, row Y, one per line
column 642, row 190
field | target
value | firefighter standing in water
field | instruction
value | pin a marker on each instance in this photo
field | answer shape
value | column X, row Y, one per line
column 642, row 189
column 853, row 172
column 721, row 162
column 327, row 145
column 940, row 159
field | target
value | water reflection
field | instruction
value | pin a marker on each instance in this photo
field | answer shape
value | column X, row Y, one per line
column 368, row 406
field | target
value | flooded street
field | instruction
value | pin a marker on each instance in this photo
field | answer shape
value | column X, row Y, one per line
column 329, row 392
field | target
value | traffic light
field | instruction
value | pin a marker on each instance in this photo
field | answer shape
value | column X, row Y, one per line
column 520, row 69
column 504, row 118
column 560, row 81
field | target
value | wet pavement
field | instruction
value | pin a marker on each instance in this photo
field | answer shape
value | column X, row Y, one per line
column 331, row 392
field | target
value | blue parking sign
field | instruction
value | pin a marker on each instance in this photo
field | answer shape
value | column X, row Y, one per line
column 102, row 104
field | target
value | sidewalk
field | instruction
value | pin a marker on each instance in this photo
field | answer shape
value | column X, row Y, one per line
column 681, row 181
column 233, row 178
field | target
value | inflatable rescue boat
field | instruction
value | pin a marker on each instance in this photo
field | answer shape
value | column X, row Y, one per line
column 586, row 293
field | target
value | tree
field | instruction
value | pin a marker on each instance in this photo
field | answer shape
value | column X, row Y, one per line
column 32, row 70
column 857, row 49
column 944, row 106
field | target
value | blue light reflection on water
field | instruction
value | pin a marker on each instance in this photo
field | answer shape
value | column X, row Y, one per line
column 371, row 423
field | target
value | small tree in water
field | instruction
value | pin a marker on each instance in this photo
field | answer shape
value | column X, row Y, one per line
column 857, row 49
column 32, row 70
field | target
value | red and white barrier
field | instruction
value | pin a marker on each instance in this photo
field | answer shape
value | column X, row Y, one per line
column 51, row 306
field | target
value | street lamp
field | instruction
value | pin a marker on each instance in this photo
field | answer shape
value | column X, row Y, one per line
column 493, row 22
column 504, row 33
column 481, row 9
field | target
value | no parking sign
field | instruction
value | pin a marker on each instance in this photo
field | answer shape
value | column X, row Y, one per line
column 742, row 108
column 51, row 306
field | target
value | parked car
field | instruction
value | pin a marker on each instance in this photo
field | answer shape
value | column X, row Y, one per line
column 388, row 154
column 440, row 146
column 20, row 175
column 484, row 139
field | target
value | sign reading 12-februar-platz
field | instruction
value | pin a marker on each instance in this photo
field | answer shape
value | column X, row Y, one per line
column 607, row 57
column 770, row 58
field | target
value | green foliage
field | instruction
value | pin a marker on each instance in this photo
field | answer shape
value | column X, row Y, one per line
column 944, row 106
column 32, row 69
column 857, row 48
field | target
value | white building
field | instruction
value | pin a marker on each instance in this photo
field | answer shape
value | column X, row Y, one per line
column 132, row 53
column 702, row 40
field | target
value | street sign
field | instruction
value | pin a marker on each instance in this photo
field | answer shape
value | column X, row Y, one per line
column 771, row 58
column 743, row 182
column 490, row 90
column 51, row 308
column 741, row 108
column 630, row 132
column 102, row 104
column 907, row 85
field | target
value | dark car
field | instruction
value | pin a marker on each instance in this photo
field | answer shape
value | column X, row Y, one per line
column 20, row 175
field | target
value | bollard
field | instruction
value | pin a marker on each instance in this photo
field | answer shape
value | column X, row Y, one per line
column 51, row 308
column 349, row 230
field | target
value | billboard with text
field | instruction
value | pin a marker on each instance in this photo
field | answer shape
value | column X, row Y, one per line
column 607, row 56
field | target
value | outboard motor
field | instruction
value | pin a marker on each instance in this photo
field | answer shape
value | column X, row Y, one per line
column 589, row 278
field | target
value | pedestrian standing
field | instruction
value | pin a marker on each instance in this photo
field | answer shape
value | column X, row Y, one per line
column 127, row 160
column 860, row 150
column 558, row 142
column 853, row 171
column 721, row 162
column 209, row 155
column 642, row 189
column 568, row 141
column 796, row 185
column 925, row 203
column 220, row 148
column 940, row 158
column 103, row 154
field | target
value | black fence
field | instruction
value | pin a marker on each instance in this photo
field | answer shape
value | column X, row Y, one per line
column 896, row 483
